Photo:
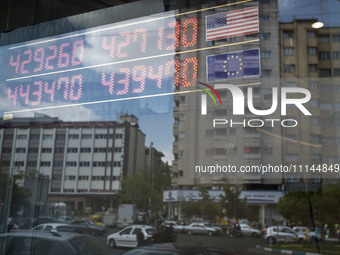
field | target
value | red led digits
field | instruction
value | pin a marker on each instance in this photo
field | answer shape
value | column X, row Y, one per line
column 13, row 95
column 78, row 51
column 108, row 83
column 54, row 52
column 124, row 81
column 168, row 68
column 174, row 36
column 64, row 80
column 192, row 42
column 37, row 93
column 26, row 94
column 140, row 78
column 157, row 76
column 64, row 58
column 110, row 47
column 123, row 44
column 39, row 57
column 15, row 63
column 193, row 63
column 51, row 90
column 25, row 62
column 79, row 80
column 160, row 38
column 141, row 32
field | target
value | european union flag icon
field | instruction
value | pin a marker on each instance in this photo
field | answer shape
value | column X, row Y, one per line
column 238, row 64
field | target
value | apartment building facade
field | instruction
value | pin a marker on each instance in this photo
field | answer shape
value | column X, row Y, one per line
column 84, row 161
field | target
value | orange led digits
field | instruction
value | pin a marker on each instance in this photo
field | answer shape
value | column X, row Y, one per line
column 140, row 78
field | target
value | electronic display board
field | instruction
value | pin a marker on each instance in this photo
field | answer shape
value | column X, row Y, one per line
column 136, row 58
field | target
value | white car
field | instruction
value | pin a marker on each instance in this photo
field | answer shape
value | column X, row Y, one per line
column 127, row 237
column 59, row 227
column 176, row 227
column 305, row 231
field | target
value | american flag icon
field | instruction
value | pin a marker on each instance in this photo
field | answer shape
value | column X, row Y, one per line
column 233, row 23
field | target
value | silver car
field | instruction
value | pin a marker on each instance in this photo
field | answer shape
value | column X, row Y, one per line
column 200, row 228
column 247, row 230
column 282, row 234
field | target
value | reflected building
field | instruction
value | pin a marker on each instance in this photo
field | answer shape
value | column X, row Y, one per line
column 198, row 144
column 310, row 60
column 84, row 161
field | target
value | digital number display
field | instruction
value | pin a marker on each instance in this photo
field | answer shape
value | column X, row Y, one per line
column 119, row 60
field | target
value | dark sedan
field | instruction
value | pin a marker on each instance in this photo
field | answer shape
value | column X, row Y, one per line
column 86, row 227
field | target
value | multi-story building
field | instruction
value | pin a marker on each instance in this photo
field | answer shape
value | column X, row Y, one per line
column 198, row 144
column 85, row 161
column 310, row 59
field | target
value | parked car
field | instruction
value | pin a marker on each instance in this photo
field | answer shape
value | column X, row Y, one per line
column 94, row 222
column 309, row 235
column 48, row 243
column 276, row 234
column 65, row 218
column 177, row 228
column 44, row 219
column 86, row 227
column 127, row 237
column 247, row 230
column 59, row 227
column 200, row 228
column 177, row 249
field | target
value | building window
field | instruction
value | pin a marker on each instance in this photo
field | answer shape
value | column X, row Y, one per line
column 288, row 51
column 288, row 34
column 325, row 89
column 314, row 120
column 20, row 150
column 119, row 136
column 265, row 18
column 324, row 55
column 220, row 151
column 266, row 54
column 32, row 163
column 71, row 163
column 209, row 132
column 46, row 150
column 84, row 164
column 34, row 137
column 180, row 154
column 58, row 163
column 336, row 54
column 289, row 84
column 118, row 149
column 315, row 139
column 72, row 150
column 324, row 72
column 70, row 178
column 316, row 178
column 292, row 178
column 182, row 116
column 311, row 50
column 328, row 141
column 289, row 68
column 181, row 135
column 59, row 150
column 327, row 123
column 86, row 136
column 60, row 137
column 19, row 163
column 291, row 158
column 47, row 137
column 265, row 36
column 99, row 164
column 266, row 72
column 117, row 163
column 221, row 131
column 336, row 72
column 85, row 150
column 45, row 163
column 310, row 34
column 323, row 39
column 180, row 173
column 312, row 68
column 73, row 137
column 315, row 159
column 335, row 38
column 83, row 178
column 182, row 99
column 326, row 106
column 313, row 85
column 100, row 150
column 313, row 103
column 22, row 137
